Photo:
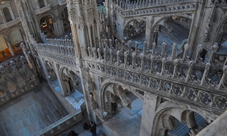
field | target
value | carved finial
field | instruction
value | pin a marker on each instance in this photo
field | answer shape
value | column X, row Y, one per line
column 199, row 50
column 223, row 78
column 118, row 57
column 106, row 43
column 207, row 67
column 163, row 66
column 116, row 43
column 136, row 47
column 123, row 45
column 153, row 48
column 176, row 63
column 214, row 50
column 163, row 49
column 174, row 48
column 125, row 58
column 152, row 63
column 110, row 42
column 186, row 47
column 190, row 67
column 129, row 45
column 144, row 47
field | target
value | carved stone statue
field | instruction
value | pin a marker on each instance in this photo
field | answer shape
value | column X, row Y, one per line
column 66, row 81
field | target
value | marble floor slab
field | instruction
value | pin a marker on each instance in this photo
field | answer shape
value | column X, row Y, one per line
column 31, row 112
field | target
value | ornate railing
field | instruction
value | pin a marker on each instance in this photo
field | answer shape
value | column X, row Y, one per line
column 202, row 82
column 61, row 124
column 60, row 50
column 219, row 2
column 127, row 8
column 66, row 41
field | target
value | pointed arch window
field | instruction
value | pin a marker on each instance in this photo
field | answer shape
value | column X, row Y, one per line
column 7, row 14
column 41, row 3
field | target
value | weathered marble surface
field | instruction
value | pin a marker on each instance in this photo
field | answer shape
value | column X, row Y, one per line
column 216, row 128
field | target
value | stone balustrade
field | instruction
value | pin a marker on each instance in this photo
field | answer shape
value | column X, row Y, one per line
column 61, row 124
column 58, row 50
column 127, row 8
column 199, row 81
column 62, row 50
column 66, row 41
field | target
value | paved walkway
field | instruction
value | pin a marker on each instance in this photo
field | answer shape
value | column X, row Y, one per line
column 127, row 122
column 30, row 112
column 78, row 128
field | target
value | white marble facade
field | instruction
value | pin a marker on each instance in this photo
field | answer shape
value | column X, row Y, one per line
column 169, row 54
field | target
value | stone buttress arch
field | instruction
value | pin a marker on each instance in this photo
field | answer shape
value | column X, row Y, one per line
column 67, row 71
column 165, row 17
column 106, row 86
column 177, row 109
column 131, row 20
column 220, row 25
column 17, row 27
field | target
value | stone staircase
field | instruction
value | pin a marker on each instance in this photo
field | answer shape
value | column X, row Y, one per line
column 182, row 129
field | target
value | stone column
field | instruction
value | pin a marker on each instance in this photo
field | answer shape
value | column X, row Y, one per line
column 11, row 12
column 69, row 108
column 148, row 116
column 59, row 78
column 37, row 4
column 94, row 34
column 45, row 2
column 194, row 29
column 148, row 32
column 3, row 17
column 98, row 35
column 58, row 27
column 90, row 38
column 10, row 48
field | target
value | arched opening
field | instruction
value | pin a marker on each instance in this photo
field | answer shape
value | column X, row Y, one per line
column 175, row 122
column 7, row 14
column 41, row 3
column 68, row 83
column 121, row 103
column 72, row 89
column 135, row 31
column 221, row 54
column 50, row 71
column 4, row 49
column 191, row 124
column 52, row 77
column 76, row 81
column 71, row 82
column 16, row 38
column 172, row 30
column 65, row 20
column 46, row 26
